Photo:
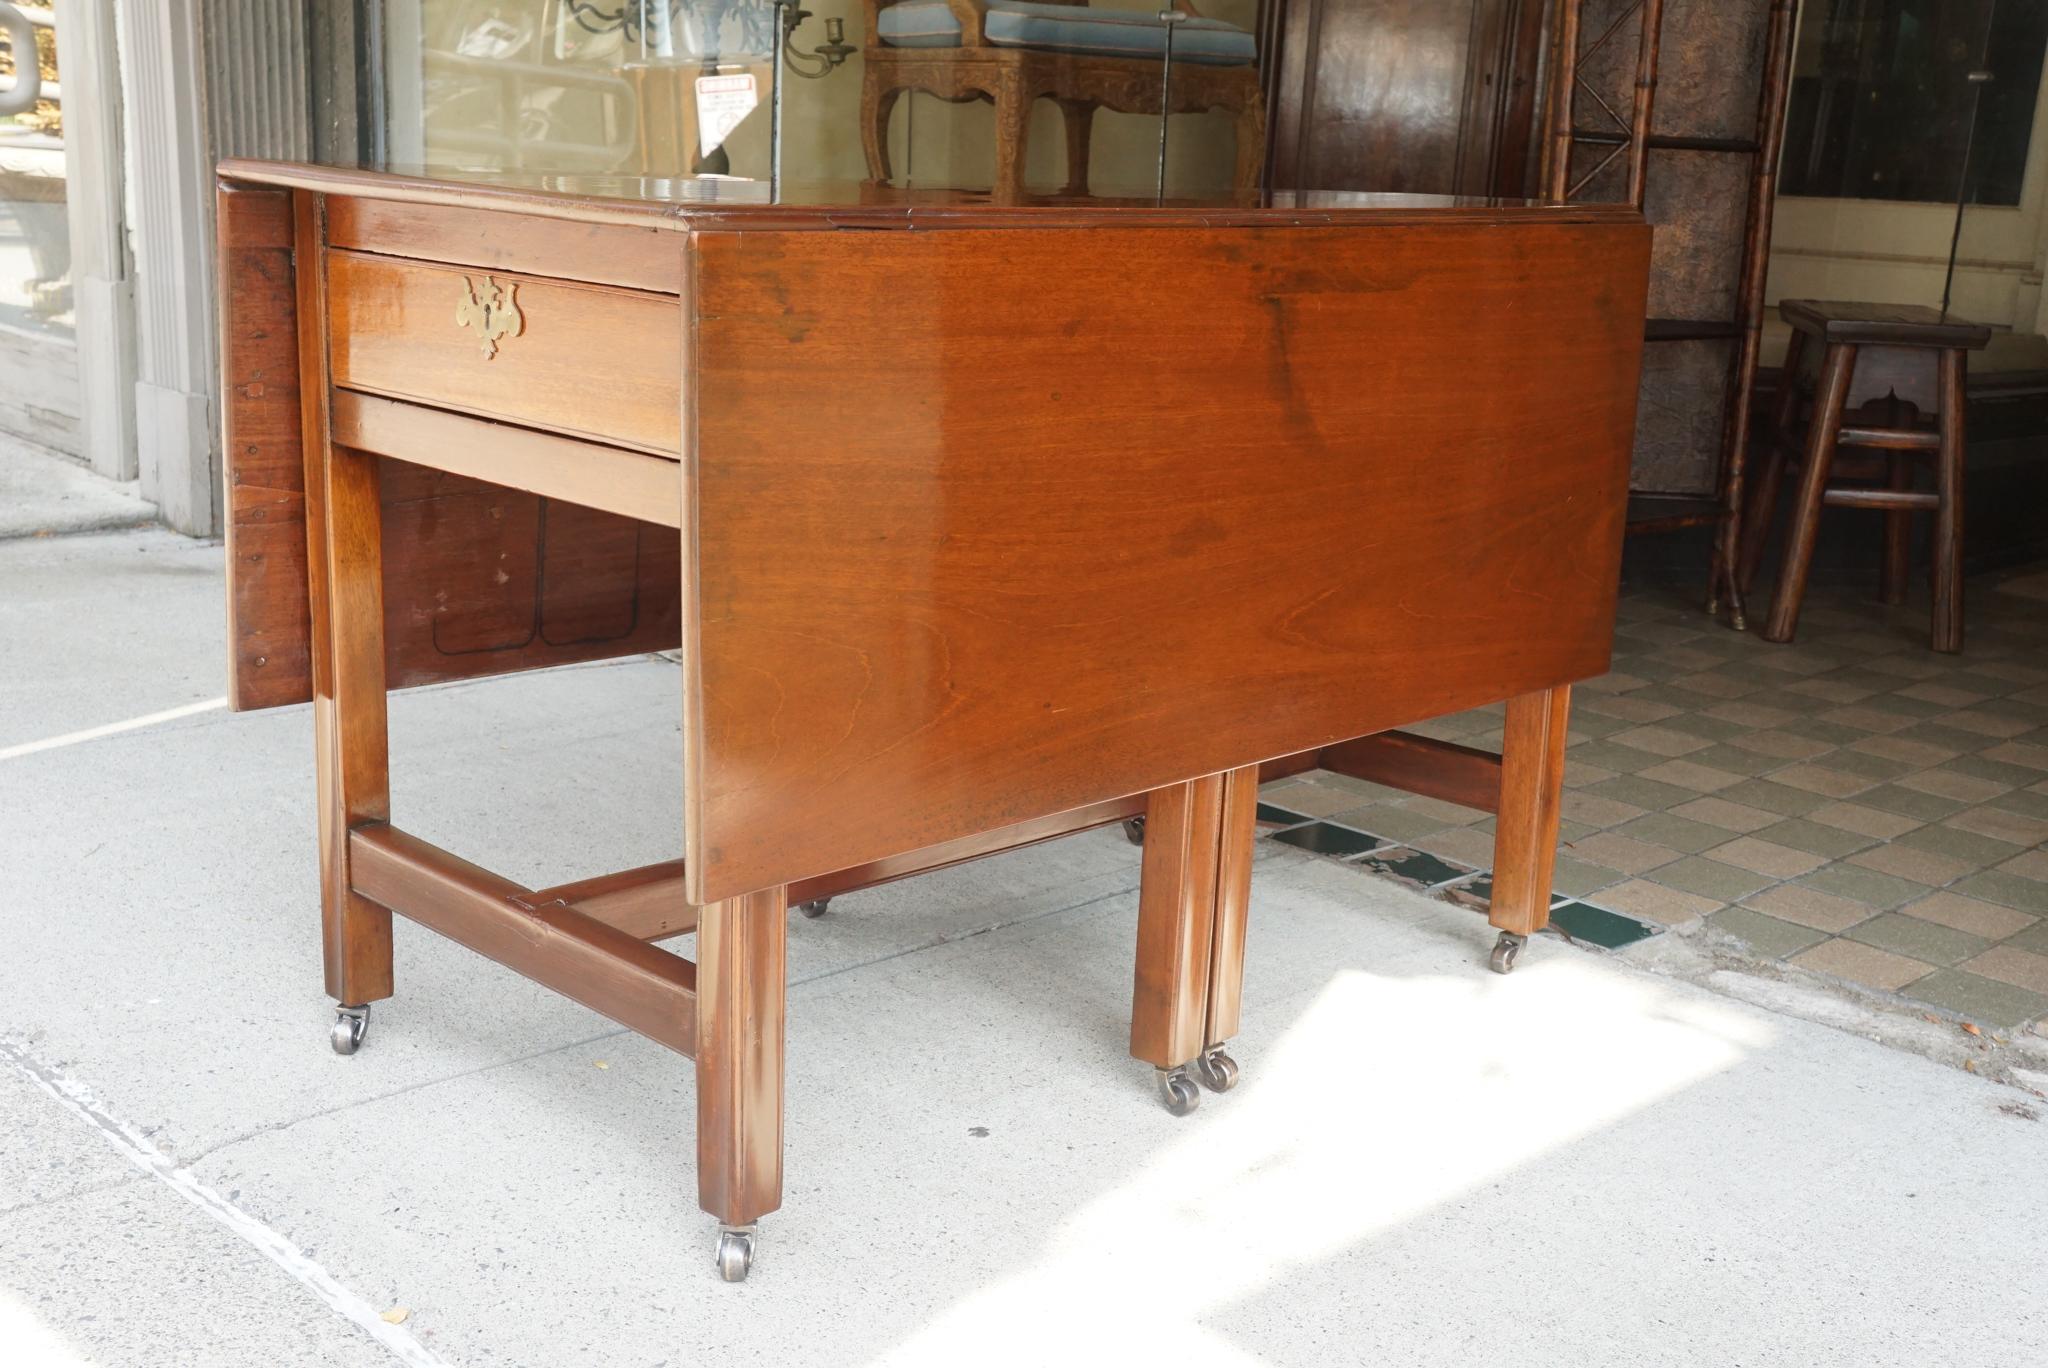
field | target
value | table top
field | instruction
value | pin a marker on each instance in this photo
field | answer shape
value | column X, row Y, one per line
column 687, row 203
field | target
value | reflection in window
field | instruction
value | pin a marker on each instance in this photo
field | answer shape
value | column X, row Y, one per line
column 673, row 89
column 1882, row 100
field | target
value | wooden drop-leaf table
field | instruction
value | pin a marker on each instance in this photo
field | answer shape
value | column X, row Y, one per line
column 975, row 527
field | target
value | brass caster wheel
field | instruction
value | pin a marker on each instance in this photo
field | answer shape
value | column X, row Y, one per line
column 351, row 1024
column 1739, row 621
column 1506, row 951
column 815, row 908
column 1217, row 1070
column 1134, row 830
column 735, row 1252
column 1178, row 1091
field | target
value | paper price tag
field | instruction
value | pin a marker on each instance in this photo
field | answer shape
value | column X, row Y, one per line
column 722, row 102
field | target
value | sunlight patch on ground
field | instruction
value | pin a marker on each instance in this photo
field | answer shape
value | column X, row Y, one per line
column 1386, row 1098
column 111, row 729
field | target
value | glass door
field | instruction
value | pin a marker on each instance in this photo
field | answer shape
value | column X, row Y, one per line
column 39, row 392
column 1880, row 121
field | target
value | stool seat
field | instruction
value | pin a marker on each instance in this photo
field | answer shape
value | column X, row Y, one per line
column 1882, row 325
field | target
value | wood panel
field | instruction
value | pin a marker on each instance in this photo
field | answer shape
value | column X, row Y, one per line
column 641, row 258
column 588, row 361
column 1018, row 567
column 269, row 641
column 479, row 580
column 632, row 484
column 1414, row 96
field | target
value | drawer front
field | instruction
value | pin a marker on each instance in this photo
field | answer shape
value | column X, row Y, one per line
column 585, row 360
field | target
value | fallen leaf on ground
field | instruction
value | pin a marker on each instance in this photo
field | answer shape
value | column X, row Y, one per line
column 1970, row 1064
column 1969, row 1029
column 602, row 1064
column 396, row 1315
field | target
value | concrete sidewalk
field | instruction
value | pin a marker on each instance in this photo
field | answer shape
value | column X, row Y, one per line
column 1586, row 1163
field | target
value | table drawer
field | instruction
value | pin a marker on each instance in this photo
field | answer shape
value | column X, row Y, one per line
column 586, row 360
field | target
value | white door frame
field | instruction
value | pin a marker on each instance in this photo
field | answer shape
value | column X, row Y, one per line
column 103, row 287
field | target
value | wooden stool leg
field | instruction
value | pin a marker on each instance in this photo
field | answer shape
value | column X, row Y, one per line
column 742, row 976
column 1828, row 401
column 1762, row 504
column 1176, row 932
column 1948, row 524
column 1525, row 833
column 345, row 558
column 1238, row 835
column 1898, row 532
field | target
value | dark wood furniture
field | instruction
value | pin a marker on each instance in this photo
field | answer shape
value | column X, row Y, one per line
column 1014, row 79
column 1904, row 365
column 1008, row 585
column 1414, row 96
column 1678, row 107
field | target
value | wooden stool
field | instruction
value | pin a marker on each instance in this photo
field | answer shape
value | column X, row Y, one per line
column 1908, row 362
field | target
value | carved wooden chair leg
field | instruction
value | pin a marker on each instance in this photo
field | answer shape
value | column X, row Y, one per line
column 742, row 975
column 1525, row 833
column 878, row 103
column 1013, row 137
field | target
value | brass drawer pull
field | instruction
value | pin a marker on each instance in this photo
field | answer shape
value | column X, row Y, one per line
column 493, row 311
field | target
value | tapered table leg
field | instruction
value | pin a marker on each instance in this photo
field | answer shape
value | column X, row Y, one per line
column 344, row 530
column 1176, row 932
column 1237, row 835
column 742, row 975
column 1525, row 834
column 1191, row 920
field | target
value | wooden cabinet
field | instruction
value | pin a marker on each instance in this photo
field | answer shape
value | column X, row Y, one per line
column 1412, row 96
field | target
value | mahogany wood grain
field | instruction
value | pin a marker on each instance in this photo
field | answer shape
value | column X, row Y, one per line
column 638, row 985
column 1237, row 832
column 269, row 636
column 590, row 361
column 646, row 903
column 479, row 580
column 1531, row 794
column 957, row 597
column 1176, row 921
column 345, row 577
column 640, row 257
column 1420, row 764
column 742, row 973
column 632, row 484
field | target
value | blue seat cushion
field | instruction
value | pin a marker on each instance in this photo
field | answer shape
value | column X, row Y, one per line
column 1070, row 28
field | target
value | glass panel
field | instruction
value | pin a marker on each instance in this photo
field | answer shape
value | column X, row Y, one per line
column 884, row 100
column 35, row 240
column 1882, row 103
column 1999, row 226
